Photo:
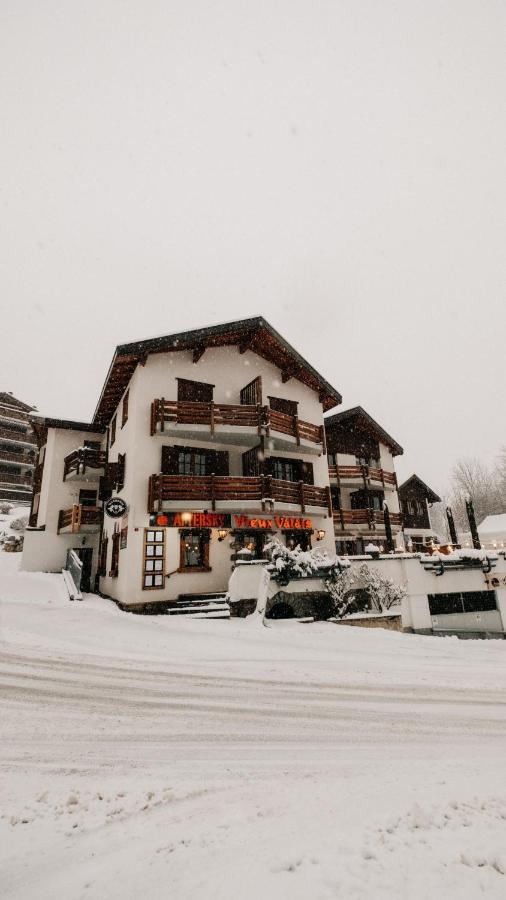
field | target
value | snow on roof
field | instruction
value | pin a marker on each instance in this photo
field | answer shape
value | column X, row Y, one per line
column 493, row 524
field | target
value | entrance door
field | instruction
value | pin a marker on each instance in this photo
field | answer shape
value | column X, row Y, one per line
column 85, row 554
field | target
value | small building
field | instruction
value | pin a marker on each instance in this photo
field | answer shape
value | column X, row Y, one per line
column 202, row 443
column 363, row 481
column 416, row 499
column 17, row 450
column 492, row 532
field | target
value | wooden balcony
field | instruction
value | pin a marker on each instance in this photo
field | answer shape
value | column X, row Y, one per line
column 84, row 464
column 79, row 519
column 239, row 423
column 24, row 480
column 13, row 415
column 367, row 474
column 345, row 519
column 235, row 492
column 20, row 458
column 21, row 437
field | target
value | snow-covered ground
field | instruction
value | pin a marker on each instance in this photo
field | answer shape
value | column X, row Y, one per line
column 163, row 758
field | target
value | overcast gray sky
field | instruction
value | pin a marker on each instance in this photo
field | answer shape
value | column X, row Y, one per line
column 337, row 167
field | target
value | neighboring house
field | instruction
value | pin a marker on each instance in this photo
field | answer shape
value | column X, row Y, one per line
column 416, row 498
column 362, row 480
column 17, row 450
column 211, row 440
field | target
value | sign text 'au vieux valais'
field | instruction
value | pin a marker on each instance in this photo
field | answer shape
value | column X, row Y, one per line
column 225, row 520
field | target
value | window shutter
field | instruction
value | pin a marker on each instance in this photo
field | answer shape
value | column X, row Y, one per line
column 170, row 456
column 217, row 462
column 196, row 391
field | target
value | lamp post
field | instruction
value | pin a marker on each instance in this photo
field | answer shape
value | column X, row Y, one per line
column 451, row 526
column 388, row 529
column 472, row 524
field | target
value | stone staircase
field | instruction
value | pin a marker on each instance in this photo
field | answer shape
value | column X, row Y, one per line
column 201, row 606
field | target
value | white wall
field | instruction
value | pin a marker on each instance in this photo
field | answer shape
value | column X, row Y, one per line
column 229, row 371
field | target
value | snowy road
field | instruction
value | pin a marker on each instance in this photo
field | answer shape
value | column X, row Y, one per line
column 195, row 759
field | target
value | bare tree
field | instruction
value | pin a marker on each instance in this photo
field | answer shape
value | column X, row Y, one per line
column 472, row 478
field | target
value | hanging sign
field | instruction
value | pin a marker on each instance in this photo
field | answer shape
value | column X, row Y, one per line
column 190, row 520
column 225, row 520
column 115, row 507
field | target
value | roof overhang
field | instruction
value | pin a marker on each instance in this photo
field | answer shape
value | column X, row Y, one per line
column 415, row 481
column 41, row 425
column 253, row 334
column 358, row 416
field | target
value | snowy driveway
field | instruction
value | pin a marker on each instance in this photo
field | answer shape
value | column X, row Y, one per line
column 196, row 759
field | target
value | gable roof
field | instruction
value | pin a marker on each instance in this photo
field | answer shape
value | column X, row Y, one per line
column 254, row 334
column 360, row 416
column 415, row 481
column 8, row 399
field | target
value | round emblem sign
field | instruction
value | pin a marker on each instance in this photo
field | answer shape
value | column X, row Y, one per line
column 115, row 507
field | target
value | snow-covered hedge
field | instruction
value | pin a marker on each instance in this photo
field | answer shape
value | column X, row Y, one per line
column 363, row 587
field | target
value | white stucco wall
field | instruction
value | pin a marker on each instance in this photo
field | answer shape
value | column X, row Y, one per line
column 229, row 371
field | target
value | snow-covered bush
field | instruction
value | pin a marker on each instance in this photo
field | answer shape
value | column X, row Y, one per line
column 5, row 507
column 287, row 563
column 358, row 588
column 19, row 524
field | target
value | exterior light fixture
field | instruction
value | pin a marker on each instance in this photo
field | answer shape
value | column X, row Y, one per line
column 186, row 518
column 320, row 534
column 382, row 549
column 222, row 533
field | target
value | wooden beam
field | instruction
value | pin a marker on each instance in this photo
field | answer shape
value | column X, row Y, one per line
column 198, row 352
column 246, row 342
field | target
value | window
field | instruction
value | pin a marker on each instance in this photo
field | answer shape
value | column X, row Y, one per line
column 87, row 498
column 289, row 469
column 289, row 407
column 153, row 566
column 371, row 461
column 253, row 541
column 194, row 391
column 300, row 539
column 194, row 550
column 367, row 500
column 284, row 469
column 115, row 555
column 113, row 432
column 252, row 393
column 192, row 462
column 120, row 471
column 91, row 445
column 124, row 409
column 462, row 602
column 332, row 459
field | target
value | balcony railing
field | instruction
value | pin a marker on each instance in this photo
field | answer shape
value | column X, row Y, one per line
column 10, row 434
column 80, row 461
column 20, row 458
column 13, row 415
column 211, row 489
column 25, row 480
column 344, row 518
column 361, row 473
column 78, row 517
column 260, row 419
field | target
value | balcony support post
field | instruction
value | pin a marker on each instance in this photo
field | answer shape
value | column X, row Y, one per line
column 213, row 493
column 329, row 500
column 162, row 414
column 212, row 416
column 302, row 497
column 296, row 430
